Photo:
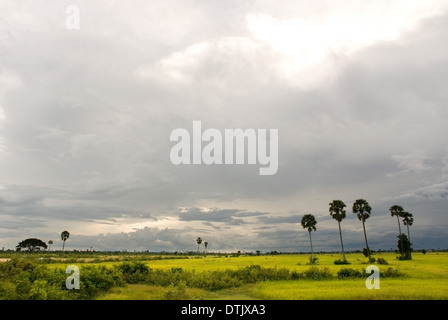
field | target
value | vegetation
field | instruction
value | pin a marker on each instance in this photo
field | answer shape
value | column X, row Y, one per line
column 149, row 276
column 408, row 220
column 337, row 212
column 64, row 236
column 362, row 209
column 309, row 222
column 405, row 247
column 31, row 245
column 397, row 211
column 199, row 241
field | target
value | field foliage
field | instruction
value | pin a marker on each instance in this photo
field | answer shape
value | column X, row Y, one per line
column 42, row 276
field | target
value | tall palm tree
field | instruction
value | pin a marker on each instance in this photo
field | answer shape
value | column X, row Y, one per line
column 408, row 220
column 199, row 241
column 309, row 222
column 64, row 236
column 397, row 211
column 205, row 245
column 50, row 242
column 362, row 209
column 337, row 212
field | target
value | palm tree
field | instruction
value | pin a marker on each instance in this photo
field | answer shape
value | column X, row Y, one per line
column 309, row 222
column 398, row 212
column 205, row 245
column 64, row 236
column 408, row 220
column 50, row 242
column 337, row 212
column 362, row 208
column 198, row 241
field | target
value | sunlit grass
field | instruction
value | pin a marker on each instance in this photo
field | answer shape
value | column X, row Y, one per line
column 352, row 289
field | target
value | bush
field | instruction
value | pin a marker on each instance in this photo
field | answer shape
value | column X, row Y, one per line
column 97, row 279
column 349, row 273
column 340, row 261
column 133, row 272
column 382, row 261
column 404, row 246
column 313, row 260
column 392, row 273
column 22, row 279
column 316, row 273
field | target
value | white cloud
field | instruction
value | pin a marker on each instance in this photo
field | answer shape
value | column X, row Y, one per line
column 314, row 45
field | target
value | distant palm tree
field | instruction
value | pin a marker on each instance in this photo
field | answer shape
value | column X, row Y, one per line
column 50, row 242
column 408, row 220
column 64, row 236
column 309, row 222
column 362, row 208
column 199, row 241
column 398, row 212
column 205, row 245
column 337, row 212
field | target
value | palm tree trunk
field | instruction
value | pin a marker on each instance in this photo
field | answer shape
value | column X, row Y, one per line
column 399, row 230
column 311, row 245
column 365, row 237
column 342, row 244
column 63, row 245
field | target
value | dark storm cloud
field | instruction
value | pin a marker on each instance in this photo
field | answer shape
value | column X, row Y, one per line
column 85, row 119
column 231, row 216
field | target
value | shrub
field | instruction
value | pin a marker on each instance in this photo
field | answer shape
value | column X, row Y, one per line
column 133, row 272
column 404, row 246
column 97, row 279
column 382, row 261
column 316, row 273
column 392, row 273
column 22, row 279
column 349, row 273
column 312, row 260
column 340, row 261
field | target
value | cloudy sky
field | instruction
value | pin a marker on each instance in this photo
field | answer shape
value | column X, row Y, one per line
column 357, row 90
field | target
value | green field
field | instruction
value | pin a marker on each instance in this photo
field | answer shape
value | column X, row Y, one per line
column 277, row 277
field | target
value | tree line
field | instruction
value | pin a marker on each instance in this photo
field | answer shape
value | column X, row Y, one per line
column 363, row 210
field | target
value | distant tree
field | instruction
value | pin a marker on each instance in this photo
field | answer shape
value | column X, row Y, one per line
column 362, row 209
column 309, row 222
column 397, row 211
column 337, row 212
column 50, row 243
column 64, row 236
column 199, row 241
column 408, row 220
column 205, row 245
column 31, row 244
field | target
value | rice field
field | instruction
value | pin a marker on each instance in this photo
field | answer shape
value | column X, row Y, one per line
column 424, row 277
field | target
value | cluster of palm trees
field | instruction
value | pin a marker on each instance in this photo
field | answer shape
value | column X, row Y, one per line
column 199, row 241
column 363, row 210
column 64, row 236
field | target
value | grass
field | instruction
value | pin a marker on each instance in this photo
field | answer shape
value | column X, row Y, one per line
column 352, row 289
column 426, row 277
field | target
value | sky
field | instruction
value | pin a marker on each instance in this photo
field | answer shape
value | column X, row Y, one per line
column 355, row 88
